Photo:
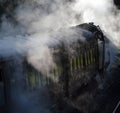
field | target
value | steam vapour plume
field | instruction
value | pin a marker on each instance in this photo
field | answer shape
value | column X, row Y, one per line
column 38, row 19
column 38, row 24
column 103, row 13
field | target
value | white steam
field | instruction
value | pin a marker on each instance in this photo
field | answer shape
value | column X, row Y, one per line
column 103, row 13
column 39, row 23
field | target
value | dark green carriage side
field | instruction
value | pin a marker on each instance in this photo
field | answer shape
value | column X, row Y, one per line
column 79, row 62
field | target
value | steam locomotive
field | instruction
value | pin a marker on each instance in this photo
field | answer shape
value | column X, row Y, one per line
column 76, row 64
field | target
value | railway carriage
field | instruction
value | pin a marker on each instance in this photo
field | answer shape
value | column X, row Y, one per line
column 76, row 63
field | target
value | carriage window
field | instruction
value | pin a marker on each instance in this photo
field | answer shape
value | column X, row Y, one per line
column 2, row 101
column 34, row 79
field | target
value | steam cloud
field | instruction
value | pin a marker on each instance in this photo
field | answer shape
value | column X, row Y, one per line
column 103, row 13
column 39, row 21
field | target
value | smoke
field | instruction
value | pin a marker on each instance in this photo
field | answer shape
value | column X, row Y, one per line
column 36, row 25
column 101, row 12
